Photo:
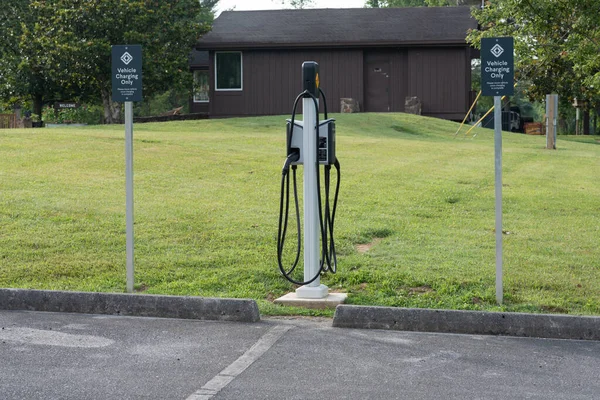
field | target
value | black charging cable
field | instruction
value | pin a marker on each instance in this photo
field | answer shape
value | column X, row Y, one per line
column 330, row 215
column 324, row 103
column 328, row 260
column 285, row 201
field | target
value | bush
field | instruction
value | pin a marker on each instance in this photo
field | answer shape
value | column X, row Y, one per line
column 163, row 102
column 91, row 115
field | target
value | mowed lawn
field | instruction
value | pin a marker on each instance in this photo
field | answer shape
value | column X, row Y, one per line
column 419, row 200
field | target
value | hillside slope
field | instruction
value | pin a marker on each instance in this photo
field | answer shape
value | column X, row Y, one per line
column 415, row 221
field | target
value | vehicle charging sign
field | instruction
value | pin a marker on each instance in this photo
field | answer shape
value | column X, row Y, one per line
column 126, row 73
column 497, row 66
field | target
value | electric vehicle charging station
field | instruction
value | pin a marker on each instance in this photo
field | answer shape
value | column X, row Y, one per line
column 310, row 143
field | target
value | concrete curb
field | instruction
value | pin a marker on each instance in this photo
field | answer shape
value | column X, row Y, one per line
column 468, row 322
column 143, row 305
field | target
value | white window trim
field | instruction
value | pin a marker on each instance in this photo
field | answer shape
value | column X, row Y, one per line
column 194, row 96
column 241, row 72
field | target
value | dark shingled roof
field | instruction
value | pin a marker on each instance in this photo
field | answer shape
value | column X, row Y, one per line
column 339, row 28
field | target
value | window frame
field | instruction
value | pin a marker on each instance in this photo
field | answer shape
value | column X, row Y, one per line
column 241, row 88
column 207, row 82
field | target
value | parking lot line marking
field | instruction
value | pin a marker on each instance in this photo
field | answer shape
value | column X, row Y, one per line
column 223, row 378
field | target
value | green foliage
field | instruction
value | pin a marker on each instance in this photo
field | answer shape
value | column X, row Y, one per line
column 163, row 102
column 21, row 78
column 419, row 3
column 11, row 15
column 298, row 4
column 556, row 44
column 71, row 42
column 395, row 3
column 82, row 115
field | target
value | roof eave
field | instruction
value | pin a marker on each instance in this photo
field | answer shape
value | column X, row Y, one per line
column 274, row 46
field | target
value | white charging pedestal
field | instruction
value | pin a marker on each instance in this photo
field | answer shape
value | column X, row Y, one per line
column 314, row 290
column 314, row 294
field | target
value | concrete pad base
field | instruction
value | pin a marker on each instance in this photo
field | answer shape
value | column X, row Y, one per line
column 312, row 292
column 331, row 301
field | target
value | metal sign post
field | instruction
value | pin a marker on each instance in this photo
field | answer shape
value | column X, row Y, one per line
column 129, row 193
column 498, row 192
column 127, row 87
column 497, row 76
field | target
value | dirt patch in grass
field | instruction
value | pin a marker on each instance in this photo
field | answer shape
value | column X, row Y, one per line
column 420, row 290
column 142, row 288
column 363, row 248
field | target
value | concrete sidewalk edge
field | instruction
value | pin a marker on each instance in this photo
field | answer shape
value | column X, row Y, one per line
column 468, row 322
column 143, row 305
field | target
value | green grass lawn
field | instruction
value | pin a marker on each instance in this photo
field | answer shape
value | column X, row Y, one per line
column 207, row 203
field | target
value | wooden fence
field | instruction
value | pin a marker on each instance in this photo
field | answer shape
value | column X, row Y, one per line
column 8, row 121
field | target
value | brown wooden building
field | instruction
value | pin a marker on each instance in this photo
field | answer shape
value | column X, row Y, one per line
column 250, row 62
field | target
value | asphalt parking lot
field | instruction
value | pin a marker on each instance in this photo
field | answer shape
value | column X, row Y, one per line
column 77, row 356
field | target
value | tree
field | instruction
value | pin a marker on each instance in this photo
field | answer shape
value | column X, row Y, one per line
column 20, row 79
column 298, row 4
column 73, row 41
column 556, row 44
column 9, row 48
column 419, row 3
column 395, row 3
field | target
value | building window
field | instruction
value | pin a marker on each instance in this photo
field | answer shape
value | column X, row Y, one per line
column 201, row 86
column 228, row 70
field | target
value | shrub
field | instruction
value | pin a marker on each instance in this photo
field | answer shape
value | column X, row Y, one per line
column 90, row 115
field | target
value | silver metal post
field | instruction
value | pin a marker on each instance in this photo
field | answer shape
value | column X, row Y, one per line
column 129, row 192
column 498, row 187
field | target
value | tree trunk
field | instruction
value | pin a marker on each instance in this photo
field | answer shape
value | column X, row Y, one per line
column 38, row 104
column 112, row 110
column 586, row 122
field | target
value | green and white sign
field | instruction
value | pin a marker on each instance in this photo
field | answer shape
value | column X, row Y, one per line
column 126, row 73
column 497, row 66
